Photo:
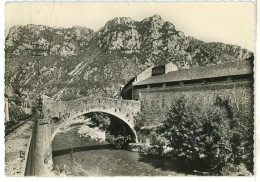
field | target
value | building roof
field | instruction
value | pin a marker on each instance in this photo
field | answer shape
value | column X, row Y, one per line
column 158, row 65
column 162, row 64
column 213, row 71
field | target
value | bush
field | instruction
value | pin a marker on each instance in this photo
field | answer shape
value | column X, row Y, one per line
column 210, row 134
column 235, row 170
column 118, row 141
column 140, row 121
column 146, row 130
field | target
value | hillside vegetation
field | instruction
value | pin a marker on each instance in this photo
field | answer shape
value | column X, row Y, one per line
column 82, row 62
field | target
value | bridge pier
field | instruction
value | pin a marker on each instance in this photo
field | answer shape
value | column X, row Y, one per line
column 43, row 148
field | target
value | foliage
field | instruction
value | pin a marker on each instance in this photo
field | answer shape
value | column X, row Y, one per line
column 212, row 134
column 99, row 62
column 235, row 170
column 119, row 141
column 101, row 120
column 140, row 121
column 15, row 111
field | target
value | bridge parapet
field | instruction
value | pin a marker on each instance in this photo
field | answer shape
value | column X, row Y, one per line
column 106, row 102
column 58, row 108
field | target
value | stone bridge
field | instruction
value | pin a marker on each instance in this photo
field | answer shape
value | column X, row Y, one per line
column 68, row 110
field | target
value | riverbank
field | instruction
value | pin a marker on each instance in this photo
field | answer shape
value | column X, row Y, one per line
column 75, row 154
column 144, row 148
column 83, row 130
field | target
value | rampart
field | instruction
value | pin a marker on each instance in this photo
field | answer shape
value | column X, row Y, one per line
column 156, row 102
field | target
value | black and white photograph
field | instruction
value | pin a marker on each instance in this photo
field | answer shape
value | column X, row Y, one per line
column 102, row 89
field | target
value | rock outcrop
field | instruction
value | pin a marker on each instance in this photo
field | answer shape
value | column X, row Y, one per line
column 82, row 62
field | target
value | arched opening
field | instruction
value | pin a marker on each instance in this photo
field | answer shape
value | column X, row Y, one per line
column 71, row 145
column 117, row 131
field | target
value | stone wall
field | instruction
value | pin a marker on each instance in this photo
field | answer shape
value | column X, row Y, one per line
column 67, row 109
column 155, row 102
column 143, row 75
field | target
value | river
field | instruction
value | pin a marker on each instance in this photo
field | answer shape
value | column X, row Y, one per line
column 79, row 155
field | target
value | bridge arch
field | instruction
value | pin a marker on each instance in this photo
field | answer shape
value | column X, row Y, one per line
column 112, row 112
column 67, row 110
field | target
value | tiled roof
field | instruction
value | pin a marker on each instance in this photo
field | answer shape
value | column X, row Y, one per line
column 213, row 71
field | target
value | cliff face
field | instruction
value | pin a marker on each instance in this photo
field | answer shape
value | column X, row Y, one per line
column 82, row 62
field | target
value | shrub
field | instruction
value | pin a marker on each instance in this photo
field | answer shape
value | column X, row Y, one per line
column 241, row 133
column 140, row 121
column 235, row 170
column 210, row 134
column 118, row 141
column 146, row 130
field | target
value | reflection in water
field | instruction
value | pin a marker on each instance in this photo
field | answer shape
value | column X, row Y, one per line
column 81, row 149
column 164, row 163
column 80, row 156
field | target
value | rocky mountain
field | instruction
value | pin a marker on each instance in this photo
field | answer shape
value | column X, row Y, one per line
column 82, row 62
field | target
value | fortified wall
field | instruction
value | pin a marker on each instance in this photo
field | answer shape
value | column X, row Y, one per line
column 232, row 81
column 156, row 102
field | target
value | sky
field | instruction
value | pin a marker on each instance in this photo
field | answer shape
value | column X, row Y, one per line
column 227, row 22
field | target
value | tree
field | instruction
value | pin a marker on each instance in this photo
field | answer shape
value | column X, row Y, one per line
column 209, row 134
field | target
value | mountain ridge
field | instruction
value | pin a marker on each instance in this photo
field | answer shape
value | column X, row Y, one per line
column 83, row 62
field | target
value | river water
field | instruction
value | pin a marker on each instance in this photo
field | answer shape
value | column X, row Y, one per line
column 79, row 155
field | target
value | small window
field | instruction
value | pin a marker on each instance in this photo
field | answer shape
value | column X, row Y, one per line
column 170, row 84
column 192, row 82
column 219, row 79
column 156, row 85
column 242, row 77
column 158, row 71
column 140, row 86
